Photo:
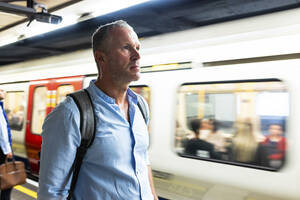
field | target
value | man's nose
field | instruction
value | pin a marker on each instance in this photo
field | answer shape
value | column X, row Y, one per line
column 135, row 54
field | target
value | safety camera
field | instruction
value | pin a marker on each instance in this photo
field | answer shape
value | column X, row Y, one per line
column 47, row 18
column 30, row 12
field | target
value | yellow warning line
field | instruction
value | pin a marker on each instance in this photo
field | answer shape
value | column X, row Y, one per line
column 26, row 191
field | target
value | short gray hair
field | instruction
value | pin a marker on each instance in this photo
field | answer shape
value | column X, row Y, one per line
column 101, row 35
column 102, row 32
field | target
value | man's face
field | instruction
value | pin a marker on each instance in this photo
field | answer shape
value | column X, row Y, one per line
column 122, row 56
column 205, row 124
column 2, row 94
column 275, row 130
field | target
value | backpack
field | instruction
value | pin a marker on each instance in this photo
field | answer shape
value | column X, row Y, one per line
column 83, row 101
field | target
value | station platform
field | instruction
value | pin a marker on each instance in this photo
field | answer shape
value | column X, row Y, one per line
column 27, row 191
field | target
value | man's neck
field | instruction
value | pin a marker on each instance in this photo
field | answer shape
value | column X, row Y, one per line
column 113, row 90
column 116, row 91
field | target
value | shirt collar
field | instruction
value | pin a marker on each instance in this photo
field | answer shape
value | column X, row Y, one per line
column 130, row 94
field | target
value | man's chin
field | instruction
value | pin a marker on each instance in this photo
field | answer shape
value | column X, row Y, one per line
column 137, row 77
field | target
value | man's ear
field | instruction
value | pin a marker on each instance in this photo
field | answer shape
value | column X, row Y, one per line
column 100, row 56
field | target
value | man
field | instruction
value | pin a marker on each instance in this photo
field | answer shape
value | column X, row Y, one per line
column 116, row 166
column 198, row 147
column 5, row 142
column 273, row 148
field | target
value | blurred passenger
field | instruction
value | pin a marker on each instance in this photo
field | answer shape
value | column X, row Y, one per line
column 182, row 136
column 197, row 146
column 116, row 166
column 215, row 137
column 244, row 144
column 273, row 147
column 205, row 128
column 20, row 117
column 16, row 119
column 5, row 142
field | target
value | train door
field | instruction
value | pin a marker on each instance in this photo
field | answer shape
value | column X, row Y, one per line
column 15, row 107
column 43, row 96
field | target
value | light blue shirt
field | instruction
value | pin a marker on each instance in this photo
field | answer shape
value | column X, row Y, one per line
column 4, row 133
column 115, row 167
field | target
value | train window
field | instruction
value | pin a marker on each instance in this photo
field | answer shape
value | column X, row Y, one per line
column 62, row 92
column 241, row 123
column 38, row 109
column 14, row 107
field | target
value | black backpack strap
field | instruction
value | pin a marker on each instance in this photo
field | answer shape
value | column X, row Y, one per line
column 142, row 106
column 87, row 130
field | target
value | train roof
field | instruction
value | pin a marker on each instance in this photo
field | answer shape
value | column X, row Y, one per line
column 149, row 19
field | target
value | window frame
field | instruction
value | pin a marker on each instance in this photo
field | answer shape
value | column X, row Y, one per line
column 240, row 164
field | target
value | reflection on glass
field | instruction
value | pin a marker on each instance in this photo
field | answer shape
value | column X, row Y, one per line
column 235, row 118
column 14, row 107
column 38, row 109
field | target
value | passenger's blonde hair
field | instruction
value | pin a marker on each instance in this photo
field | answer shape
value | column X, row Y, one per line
column 244, row 142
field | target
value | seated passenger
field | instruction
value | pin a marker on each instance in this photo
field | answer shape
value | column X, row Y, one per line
column 197, row 146
column 214, row 136
column 244, row 144
column 273, row 147
column 182, row 136
column 205, row 128
column 17, row 118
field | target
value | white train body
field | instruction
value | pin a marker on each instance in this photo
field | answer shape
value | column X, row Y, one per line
column 261, row 48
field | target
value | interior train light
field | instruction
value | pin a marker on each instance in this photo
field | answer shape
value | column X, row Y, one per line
column 167, row 67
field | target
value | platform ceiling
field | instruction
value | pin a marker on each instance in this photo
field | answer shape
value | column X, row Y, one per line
column 150, row 18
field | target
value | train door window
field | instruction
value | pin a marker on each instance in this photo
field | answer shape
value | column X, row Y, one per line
column 14, row 107
column 242, row 123
column 62, row 92
column 38, row 109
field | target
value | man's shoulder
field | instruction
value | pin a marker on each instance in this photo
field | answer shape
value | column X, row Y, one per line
column 206, row 144
column 194, row 142
column 67, row 104
column 66, row 107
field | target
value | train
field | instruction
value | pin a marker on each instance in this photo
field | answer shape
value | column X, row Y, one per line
column 242, row 69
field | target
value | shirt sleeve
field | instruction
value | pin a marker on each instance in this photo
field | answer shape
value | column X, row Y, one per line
column 61, row 137
column 4, row 142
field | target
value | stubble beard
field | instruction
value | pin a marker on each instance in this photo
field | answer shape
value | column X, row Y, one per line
column 124, row 77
